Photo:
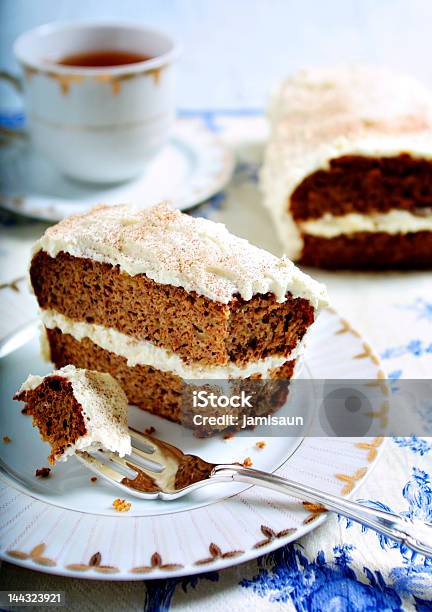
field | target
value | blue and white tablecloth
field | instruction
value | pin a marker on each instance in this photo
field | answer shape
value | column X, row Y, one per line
column 339, row 566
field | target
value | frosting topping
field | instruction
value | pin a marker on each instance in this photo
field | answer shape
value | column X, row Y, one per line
column 176, row 249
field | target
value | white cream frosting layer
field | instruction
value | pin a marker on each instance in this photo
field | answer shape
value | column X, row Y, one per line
column 141, row 352
column 393, row 222
column 177, row 249
column 104, row 408
column 322, row 114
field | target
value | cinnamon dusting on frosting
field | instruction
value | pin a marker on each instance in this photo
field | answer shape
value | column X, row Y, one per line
column 177, row 249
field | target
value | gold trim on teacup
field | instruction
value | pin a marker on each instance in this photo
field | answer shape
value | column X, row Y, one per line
column 116, row 80
column 29, row 72
column 130, row 125
column 107, row 78
column 65, row 80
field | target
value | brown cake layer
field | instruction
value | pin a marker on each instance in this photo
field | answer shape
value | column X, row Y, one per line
column 191, row 325
column 56, row 413
column 363, row 185
column 161, row 393
column 373, row 251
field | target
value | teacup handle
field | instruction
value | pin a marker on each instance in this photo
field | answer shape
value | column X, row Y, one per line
column 18, row 86
column 12, row 79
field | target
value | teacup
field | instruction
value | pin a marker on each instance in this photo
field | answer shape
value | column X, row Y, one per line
column 97, row 123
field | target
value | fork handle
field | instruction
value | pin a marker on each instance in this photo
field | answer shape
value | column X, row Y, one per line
column 414, row 533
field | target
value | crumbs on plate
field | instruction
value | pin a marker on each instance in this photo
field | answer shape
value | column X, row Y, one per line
column 43, row 472
column 7, row 440
column 121, row 505
column 93, row 478
column 150, row 430
column 247, row 462
column 260, row 444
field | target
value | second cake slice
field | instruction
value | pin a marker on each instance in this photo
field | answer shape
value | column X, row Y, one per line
column 156, row 297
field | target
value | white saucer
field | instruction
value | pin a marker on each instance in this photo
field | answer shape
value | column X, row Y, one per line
column 191, row 168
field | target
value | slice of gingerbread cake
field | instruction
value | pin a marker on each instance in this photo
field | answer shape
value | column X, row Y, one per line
column 77, row 410
column 158, row 298
column 347, row 175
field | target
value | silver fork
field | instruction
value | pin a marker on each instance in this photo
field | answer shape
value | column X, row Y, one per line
column 156, row 469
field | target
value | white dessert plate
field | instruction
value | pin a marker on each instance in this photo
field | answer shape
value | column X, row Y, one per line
column 190, row 169
column 66, row 525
